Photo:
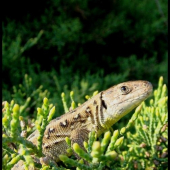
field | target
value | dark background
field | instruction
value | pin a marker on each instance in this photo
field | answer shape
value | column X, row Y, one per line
column 81, row 46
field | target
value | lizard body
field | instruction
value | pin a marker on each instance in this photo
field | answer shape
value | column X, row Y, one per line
column 98, row 113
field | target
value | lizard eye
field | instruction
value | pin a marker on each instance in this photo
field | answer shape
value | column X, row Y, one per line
column 125, row 90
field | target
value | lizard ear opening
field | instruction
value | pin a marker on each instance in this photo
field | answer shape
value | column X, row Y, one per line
column 104, row 104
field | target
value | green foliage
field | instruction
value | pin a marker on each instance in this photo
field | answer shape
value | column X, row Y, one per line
column 148, row 144
column 75, row 37
column 141, row 144
column 44, row 116
column 32, row 90
column 14, row 133
column 95, row 155
column 83, row 46
column 12, row 51
column 146, row 66
column 103, row 154
column 27, row 90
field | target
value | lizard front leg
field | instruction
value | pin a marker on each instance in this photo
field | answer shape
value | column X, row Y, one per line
column 79, row 136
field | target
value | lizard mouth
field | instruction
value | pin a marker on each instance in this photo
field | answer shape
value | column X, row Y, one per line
column 129, row 97
column 143, row 92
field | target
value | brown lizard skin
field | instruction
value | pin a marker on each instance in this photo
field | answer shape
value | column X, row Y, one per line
column 98, row 113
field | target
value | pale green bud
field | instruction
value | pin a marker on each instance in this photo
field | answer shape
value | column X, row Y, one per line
column 119, row 142
column 14, row 160
column 71, row 93
column 68, row 141
column 96, row 146
column 50, row 106
column 151, row 102
column 138, row 109
column 6, row 105
column 85, row 145
column 15, row 108
column 105, row 140
column 164, row 90
column 13, row 123
column 160, row 83
column 5, row 120
column 76, row 148
column 38, row 127
column 81, row 152
column 115, row 135
column 130, row 149
column 123, row 130
column 45, row 101
column 62, row 94
column 87, row 97
column 113, row 140
column 63, row 158
column 157, row 113
column 45, row 167
column 28, row 99
column 73, row 105
column 94, row 93
column 155, row 92
column 40, row 111
column 164, row 117
column 69, row 151
column 81, row 161
column 111, row 154
column 51, row 114
column 23, row 152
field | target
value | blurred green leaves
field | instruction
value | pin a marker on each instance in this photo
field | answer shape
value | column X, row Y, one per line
column 84, row 47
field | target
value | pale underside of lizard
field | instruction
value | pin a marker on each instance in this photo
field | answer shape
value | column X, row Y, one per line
column 98, row 113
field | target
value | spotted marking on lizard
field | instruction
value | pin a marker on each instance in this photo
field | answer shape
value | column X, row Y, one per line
column 72, row 111
column 88, row 111
column 61, row 135
column 51, row 130
column 94, row 102
column 64, row 124
column 77, row 116
column 47, row 136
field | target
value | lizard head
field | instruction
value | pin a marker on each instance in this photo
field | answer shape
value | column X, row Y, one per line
column 119, row 100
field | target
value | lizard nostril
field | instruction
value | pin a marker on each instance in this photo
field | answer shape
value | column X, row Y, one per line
column 148, row 84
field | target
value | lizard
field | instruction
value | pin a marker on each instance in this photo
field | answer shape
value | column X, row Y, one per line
column 98, row 113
